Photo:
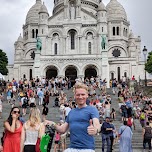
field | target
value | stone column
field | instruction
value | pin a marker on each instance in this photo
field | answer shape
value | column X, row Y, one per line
column 105, row 63
column 37, row 70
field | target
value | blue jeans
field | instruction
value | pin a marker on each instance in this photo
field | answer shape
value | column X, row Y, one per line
column 106, row 139
column 147, row 141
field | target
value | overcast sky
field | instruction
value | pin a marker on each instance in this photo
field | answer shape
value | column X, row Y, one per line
column 13, row 14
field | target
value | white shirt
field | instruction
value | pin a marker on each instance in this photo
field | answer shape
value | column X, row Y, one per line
column 67, row 110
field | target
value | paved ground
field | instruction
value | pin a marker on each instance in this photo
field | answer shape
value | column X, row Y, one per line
column 54, row 115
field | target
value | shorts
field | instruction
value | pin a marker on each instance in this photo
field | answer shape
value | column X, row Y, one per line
column 29, row 148
column 8, row 97
column 78, row 150
column 56, row 142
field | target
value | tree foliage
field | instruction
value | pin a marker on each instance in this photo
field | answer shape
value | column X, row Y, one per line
column 3, row 63
column 148, row 65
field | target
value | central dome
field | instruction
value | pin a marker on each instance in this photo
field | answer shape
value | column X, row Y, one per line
column 115, row 10
column 33, row 13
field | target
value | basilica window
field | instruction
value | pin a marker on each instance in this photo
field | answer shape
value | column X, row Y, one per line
column 117, row 30
column 116, row 53
column 27, row 35
column 112, row 76
column 126, row 32
column 89, row 47
column 33, row 33
column 55, row 48
column 72, row 36
column 118, row 70
column 125, row 74
column 36, row 33
column 24, row 76
column 30, row 74
column 113, row 30
column 102, row 29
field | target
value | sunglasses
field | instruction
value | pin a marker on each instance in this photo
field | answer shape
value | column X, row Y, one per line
column 16, row 112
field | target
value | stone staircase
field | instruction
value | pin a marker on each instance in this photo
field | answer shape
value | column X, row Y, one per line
column 137, row 134
column 54, row 116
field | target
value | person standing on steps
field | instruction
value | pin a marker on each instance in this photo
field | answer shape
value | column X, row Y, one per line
column 147, row 136
column 82, row 121
column 107, row 132
column 125, row 136
column 13, row 128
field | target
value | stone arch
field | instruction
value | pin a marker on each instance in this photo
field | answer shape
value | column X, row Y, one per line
column 45, row 67
column 90, row 70
column 71, row 64
column 73, row 28
column 71, row 73
column 51, row 71
column 112, row 75
column 27, row 54
column 89, row 30
column 55, row 31
column 24, row 75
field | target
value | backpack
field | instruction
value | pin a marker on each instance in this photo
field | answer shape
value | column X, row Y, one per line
column 25, row 101
column 142, row 116
column 129, row 122
column 44, row 142
column 148, row 134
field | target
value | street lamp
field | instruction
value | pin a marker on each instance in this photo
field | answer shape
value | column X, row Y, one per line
column 145, row 53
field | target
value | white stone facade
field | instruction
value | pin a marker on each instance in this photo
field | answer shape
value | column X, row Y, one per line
column 71, row 42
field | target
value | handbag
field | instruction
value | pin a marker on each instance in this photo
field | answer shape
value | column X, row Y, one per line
column 37, row 146
column 3, row 137
column 122, row 132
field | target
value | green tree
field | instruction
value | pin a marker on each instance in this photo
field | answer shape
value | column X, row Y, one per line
column 148, row 65
column 3, row 63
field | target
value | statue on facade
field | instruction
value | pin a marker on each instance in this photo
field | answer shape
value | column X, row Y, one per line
column 39, row 44
column 103, row 42
column 72, row 11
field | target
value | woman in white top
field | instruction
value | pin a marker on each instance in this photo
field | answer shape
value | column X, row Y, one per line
column 31, row 131
column 32, row 101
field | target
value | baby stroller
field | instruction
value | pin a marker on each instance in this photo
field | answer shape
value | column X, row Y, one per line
column 47, row 139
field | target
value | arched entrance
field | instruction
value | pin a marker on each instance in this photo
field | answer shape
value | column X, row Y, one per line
column 71, row 73
column 90, row 71
column 51, row 72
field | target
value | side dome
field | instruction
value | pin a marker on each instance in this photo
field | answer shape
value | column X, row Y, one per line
column 131, row 35
column 20, row 39
column 43, row 9
column 101, row 7
column 115, row 11
column 33, row 14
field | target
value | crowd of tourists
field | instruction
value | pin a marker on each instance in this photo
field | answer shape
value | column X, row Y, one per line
column 89, row 112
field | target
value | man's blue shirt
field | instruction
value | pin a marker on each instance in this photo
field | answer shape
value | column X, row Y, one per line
column 78, row 120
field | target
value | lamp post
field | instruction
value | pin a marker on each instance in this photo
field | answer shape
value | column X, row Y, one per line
column 145, row 53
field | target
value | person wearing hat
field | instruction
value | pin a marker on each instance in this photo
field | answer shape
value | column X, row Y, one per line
column 106, row 130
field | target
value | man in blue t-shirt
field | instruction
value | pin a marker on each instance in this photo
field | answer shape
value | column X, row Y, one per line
column 107, row 131
column 83, row 122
